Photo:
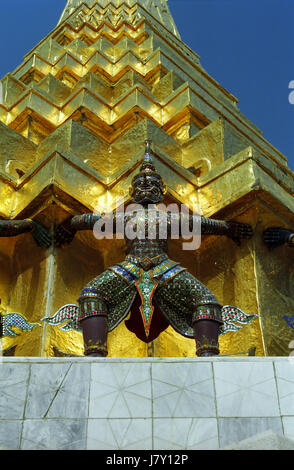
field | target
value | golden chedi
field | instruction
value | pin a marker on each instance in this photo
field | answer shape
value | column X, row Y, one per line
column 72, row 123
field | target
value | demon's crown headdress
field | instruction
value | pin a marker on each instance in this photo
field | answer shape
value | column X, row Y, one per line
column 148, row 170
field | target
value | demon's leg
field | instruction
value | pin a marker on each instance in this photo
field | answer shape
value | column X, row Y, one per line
column 206, row 334
column 207, row 320
column 95, row 336
column 93, row 320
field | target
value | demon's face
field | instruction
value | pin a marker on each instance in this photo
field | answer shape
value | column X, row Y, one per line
column 148, row 189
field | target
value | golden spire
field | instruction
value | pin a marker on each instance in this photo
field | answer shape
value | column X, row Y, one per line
column 156, row 8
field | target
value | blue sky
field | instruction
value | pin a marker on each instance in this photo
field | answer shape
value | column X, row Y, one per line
column 246, row 45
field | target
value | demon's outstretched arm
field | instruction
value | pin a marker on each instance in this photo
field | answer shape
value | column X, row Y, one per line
column 66, row 231
column 233, row 230
column 13, row 228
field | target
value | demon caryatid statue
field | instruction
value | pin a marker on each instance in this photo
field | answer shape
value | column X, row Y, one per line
column 156, row 290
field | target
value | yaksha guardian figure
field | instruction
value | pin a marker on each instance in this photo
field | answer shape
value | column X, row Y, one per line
column 156, row 290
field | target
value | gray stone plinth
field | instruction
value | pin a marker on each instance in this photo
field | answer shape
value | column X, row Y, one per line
column 146, row 403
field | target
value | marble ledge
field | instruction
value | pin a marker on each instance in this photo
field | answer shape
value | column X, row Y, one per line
column 152, row 360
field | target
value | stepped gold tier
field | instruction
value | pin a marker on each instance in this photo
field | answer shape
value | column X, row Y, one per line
column 73, row 122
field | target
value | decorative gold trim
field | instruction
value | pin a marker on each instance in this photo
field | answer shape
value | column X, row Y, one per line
column 97, row 347
column 207, row 346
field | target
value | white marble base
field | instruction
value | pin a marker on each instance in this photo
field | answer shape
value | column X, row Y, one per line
column 145, row 403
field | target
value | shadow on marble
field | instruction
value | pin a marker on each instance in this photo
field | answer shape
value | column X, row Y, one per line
column 268, row 440
column 237, row 429
column 288, row 423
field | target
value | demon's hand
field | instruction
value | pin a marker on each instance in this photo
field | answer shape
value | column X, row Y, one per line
column 41, row 235
column 238, row 230
column 64, row 233
column 277, row 236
